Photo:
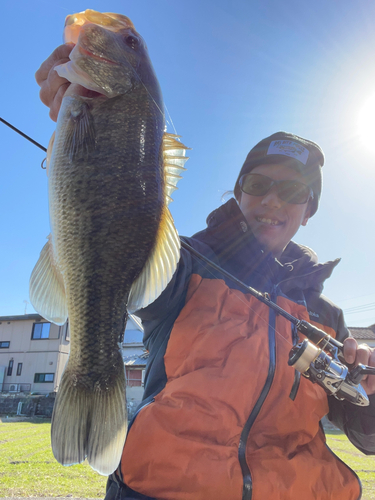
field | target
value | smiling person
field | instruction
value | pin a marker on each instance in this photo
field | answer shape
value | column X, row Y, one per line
column 223, row 415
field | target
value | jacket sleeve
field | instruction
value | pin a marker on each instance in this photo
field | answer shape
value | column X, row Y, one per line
column 358, row 422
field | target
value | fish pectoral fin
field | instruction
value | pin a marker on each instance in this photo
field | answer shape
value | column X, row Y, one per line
column 90, row 420
column 47, row 291
column 80, row 133
column 160, row 266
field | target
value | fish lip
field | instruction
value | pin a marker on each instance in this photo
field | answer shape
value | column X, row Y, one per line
column 86, row 52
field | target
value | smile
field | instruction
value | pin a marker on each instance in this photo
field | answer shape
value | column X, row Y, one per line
column 271, row 222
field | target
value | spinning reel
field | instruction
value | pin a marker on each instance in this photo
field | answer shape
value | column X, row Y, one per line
column 321, row 362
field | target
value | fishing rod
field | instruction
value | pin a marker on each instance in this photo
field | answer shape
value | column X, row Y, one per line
column 318, row 357
column 23, row 135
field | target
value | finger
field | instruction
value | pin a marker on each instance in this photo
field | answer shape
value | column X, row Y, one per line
column 368, row 383
column 60, row 53
column 56, row 103
column 363, row 354
column 349, row 350
column 371, row 360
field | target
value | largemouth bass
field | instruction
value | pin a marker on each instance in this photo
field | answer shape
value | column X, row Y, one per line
column 113, row 246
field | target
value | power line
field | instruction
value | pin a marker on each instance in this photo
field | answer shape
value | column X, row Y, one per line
column 354, row 298
column 362, row 308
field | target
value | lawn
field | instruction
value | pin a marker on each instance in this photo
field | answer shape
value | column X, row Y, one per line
column 27, row 466
column 362, row 464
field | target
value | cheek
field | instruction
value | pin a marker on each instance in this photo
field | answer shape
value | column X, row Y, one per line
column 297, row 217
column 247, row 203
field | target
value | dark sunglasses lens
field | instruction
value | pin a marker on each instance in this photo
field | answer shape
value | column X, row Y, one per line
column 255, row 184
column 290, row 191
column 293, row 192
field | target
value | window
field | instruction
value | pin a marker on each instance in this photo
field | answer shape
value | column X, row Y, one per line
column 19, row 368
column 44, row 377
column 10, row 368
column 4, row 345
column 40, row 331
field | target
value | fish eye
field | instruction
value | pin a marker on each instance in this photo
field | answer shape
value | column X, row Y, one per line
column 132, row 41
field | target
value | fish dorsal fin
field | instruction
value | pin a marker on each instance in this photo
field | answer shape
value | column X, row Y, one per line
column 47, row 291
column 174, row 161
column 163, row 260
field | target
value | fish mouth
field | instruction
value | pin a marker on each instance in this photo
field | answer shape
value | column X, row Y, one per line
column 86, row 52
column 75, row 89
column 81, row 83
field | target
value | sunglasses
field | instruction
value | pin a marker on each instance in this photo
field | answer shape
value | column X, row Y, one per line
column 291, row 191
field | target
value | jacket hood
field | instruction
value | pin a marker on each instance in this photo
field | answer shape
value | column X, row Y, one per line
column 229, row 234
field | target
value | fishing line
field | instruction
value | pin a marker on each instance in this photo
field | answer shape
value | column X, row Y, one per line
column 156, row 104
column 174, row 128
column 148, row 92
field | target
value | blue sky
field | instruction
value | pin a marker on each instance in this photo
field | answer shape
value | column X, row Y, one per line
column 231, row 73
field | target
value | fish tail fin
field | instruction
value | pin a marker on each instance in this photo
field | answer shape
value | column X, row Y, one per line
column 90, row 421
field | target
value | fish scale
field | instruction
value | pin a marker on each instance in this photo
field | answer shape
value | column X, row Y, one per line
column 113, row 244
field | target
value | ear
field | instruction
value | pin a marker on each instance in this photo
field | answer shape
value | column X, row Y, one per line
column 306, row 216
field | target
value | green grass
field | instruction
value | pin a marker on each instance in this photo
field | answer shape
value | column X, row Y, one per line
column 363, row 465
column 28, row 468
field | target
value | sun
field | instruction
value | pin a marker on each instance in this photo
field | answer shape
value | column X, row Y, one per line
column 366, row 121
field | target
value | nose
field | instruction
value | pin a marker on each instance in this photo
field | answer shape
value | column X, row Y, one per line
column 271, row 199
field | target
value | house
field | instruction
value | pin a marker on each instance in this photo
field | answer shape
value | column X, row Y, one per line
column 135, row 358
column 33, row 354
column 364, row 335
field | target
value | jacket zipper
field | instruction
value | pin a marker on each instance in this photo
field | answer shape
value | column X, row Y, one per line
column 297, row 375
column 247, row 489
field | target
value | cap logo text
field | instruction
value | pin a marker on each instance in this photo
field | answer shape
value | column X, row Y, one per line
column 289, row 148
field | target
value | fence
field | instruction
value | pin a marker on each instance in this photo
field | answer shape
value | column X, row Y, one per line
column 12, row 404
column 14, row 388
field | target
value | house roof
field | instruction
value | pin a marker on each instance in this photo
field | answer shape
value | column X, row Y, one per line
column 136, row 359
column 22, row 317
column 363, row 333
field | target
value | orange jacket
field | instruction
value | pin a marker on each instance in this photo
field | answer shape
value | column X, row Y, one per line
column 224, row 415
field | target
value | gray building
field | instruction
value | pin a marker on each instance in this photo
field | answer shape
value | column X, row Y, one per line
column 34, row 352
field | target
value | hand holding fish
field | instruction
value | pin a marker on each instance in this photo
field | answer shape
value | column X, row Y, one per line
column 53, row 86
